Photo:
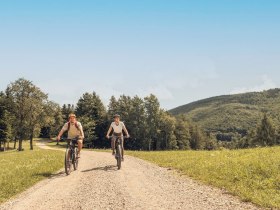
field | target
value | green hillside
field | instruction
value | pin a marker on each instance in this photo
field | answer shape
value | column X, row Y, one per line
column 230, row 114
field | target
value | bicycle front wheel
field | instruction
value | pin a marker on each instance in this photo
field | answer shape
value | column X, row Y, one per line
column 75, row 159
column 67, row 161
column 119, row 156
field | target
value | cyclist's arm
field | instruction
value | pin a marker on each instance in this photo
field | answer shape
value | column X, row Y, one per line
column 64, row 128
column 109, row 131
column 82, row 132
column 60, row 134
column 125, row 130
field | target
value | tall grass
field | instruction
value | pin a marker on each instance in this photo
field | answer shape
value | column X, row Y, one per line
column 20, row 170
column 251, row 174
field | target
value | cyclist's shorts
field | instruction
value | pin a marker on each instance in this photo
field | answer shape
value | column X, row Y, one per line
column 117, row 134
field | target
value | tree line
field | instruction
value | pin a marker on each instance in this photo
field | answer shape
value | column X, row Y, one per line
column 26, row 113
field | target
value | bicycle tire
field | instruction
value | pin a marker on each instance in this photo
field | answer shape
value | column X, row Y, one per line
column 75, row 159
column 119, row 157
column 67, row 163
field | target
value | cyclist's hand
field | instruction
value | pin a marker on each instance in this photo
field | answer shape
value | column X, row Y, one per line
column 58, row 138
column 107, row 136
column 127, row 136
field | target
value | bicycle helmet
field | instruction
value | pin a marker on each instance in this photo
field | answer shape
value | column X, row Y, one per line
column 71, row 115
column 117, row 115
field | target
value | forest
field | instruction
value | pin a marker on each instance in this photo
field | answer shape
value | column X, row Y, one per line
column 27, row 113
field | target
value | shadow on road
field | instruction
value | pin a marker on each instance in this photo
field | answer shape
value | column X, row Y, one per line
column 51, row 175
column 105, row 168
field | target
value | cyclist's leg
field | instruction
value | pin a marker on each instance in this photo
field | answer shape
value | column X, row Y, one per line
column 69, row 156
column 113, row 141
column 80, row 146
column 122, row 140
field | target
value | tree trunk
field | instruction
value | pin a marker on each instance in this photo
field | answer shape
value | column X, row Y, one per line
column 15, row 143
column 20, row 145
column 149, row 146
column 31, row 142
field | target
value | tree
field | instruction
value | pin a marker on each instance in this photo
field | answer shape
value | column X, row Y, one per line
column 197, row 141
column 37, row 117
column 89, row 127
column 166, row 127
column 27, row 102
column 137, row 124
column 52, row 119
column 66, row 110
column 265, row 135
column 182, row 133
column 113, row 107
column 152, row 108
column 6, row 131
column 92, row 113
column 278, row 136
column 248, row 140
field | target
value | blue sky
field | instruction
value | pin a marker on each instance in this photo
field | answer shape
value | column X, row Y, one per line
column 179, row 50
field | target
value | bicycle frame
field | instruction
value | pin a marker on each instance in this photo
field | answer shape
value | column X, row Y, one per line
column 117, row 144
column 70, row 155
column 118, row 149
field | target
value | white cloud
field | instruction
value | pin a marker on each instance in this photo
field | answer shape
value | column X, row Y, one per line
column 162, row 92
column 267, row 83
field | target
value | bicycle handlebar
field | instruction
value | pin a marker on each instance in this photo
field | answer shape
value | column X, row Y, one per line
column 125, row 137
column 67, row 139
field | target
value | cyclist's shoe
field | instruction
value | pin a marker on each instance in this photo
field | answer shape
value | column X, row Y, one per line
column 113, row 153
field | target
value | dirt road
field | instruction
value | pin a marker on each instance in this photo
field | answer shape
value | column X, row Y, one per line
column 138, row 185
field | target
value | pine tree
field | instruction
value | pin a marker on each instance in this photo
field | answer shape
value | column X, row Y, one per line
column 265, row 135
column 197, row 141
column 182, row 133
column 137, row 124
column 91, row 112
column 66, row 110
column 113, row 107
column 152, row 108
column 166, row 138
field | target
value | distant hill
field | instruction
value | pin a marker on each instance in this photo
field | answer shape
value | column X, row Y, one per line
column 233, row 114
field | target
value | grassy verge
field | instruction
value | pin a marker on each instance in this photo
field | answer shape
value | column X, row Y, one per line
column 253, row 174
column 54, row 144
column 20, row 170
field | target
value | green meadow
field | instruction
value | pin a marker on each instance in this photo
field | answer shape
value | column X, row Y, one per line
column 20, row 170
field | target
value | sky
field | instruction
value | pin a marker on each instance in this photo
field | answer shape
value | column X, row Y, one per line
column 179, row 50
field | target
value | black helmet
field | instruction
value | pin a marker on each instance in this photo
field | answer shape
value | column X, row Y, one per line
column 117, row 115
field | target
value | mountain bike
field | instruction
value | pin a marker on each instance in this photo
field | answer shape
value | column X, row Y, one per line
column 118, row 150
column 71, row 154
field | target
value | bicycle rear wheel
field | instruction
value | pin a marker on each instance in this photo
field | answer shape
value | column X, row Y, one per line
column 119, row 157
column 67, row 161
column 75, row 159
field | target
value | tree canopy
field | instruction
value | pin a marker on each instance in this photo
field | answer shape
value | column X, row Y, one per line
column 26, row 112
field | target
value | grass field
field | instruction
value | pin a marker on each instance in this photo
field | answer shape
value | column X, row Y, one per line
column 252, row 174
column 20, row 170
column 54, row 144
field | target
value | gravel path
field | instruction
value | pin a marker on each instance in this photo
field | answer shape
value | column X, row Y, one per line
column 138, row 185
